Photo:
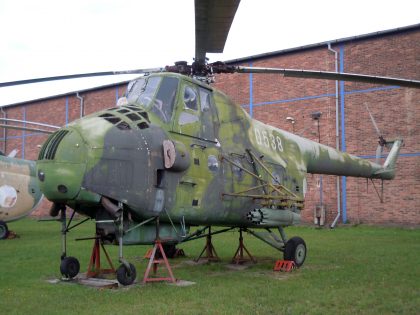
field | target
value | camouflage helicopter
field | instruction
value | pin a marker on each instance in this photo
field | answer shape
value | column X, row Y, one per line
column 19, row 189
column 177, row 153
column 18, row 177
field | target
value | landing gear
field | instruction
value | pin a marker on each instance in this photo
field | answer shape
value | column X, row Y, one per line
column 126, row 276
column 69, row 267
column 126, row 272
column 295, row 250
column 4, row 231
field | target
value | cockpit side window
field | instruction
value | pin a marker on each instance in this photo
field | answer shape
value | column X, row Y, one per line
column 207, row 126
column 190, row 98
column 146, row 97
column 134, row 89
column 163, row 104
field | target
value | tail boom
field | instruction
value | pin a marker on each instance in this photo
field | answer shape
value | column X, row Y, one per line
column 322, row 159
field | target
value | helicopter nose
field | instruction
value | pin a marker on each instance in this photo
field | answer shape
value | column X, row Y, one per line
column 61, row 165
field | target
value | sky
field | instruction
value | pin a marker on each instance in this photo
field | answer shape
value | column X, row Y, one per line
column 54, row 37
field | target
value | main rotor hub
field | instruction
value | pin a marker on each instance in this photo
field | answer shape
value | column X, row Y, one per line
column 202, row 71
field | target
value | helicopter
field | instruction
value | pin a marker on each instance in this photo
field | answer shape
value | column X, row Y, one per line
column 176, row 153
column 19, row 190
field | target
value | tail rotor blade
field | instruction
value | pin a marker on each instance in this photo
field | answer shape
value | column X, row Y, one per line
column 373, row 121
column 379, row 151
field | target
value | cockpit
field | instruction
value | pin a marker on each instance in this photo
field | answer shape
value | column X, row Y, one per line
column 188, row 107
column 157, row 93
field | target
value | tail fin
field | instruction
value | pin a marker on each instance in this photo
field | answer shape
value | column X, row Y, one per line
column 388, row 168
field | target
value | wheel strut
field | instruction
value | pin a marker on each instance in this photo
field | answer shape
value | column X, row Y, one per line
column 126, row 272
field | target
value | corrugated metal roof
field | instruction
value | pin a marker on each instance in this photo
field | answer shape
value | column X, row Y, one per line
column 95, row 88
column 332, row 42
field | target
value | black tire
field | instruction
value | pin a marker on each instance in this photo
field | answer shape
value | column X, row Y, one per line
column 4, row 230
column 124, row 276
column 295, row 250
column 69, row 267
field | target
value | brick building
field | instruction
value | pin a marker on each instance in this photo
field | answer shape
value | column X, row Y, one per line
column 271, row 99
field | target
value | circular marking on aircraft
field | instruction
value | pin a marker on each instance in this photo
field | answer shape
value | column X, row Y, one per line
column 8, row 196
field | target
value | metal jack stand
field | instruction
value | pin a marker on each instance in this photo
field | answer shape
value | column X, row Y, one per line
column 154, row 261
column 239, row 255
column 211, row 254
column 94, row 268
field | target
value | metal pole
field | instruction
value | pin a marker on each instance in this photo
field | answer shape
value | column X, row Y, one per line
column 337, row 137
column 63, row 233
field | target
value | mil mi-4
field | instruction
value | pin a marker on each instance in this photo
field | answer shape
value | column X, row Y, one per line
column 177, row 153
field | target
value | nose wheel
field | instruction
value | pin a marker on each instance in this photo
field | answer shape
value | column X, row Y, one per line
column 69, row 267
column 126, row 276
column 126, row 272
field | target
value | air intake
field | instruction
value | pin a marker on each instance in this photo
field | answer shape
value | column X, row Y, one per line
column 50, row 146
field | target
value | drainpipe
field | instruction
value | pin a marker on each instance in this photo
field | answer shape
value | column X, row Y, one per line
column 4, row 130
column 337, row 135
column 82, row 104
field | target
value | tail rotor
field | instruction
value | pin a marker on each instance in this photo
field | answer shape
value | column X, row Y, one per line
column 381, row 140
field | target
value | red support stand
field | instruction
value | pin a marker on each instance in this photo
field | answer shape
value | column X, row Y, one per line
column 239, row 257
column 94, row 268
column 148, row 253
column 178, row 253
column 209, row 249
column 154, row 262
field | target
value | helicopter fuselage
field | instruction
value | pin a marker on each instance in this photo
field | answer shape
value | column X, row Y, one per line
column 183, row 151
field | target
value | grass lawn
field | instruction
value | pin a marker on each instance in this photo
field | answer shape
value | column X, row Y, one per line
column 350, row 270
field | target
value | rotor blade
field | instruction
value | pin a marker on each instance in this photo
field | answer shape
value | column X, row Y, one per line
column 29, row 122
column 213, row 19
column 25, row 128
column 373, row 121
column 80, row 75
column 326, row 75
column 379, row 151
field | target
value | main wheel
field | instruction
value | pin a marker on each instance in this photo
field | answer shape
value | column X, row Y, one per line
column 124, row 276
column 4, row 231
column 295, row 250
column 69, row 267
